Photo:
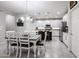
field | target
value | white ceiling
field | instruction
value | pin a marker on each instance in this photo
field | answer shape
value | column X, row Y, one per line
column 51, row 9
column 13, row 6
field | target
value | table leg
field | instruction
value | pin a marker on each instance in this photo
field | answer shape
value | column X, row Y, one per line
column 7, row 47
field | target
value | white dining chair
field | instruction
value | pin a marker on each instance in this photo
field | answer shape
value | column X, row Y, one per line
column 25, row 43
column 13, row 42
column 42, row 44
column 7, row 35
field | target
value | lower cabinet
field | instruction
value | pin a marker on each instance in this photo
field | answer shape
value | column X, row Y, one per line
column 49, row 35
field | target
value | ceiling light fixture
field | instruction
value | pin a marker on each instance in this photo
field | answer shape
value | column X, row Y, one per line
column 22, row 18
column 29, row 18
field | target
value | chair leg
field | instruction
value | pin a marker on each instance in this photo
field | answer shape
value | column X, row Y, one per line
column 28, row 53
column 38, row 51
column 44, row 50
column 9, row 50
column 20, row 52
column 14, row 50
column 7, row 47
column 17, row 52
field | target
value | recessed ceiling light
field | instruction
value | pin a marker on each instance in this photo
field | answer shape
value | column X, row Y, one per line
column 29, row 18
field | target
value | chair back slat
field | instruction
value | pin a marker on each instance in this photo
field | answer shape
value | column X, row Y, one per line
column 24, row 38
column 12, row 36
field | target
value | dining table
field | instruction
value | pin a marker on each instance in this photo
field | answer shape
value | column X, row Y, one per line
column 33, row 39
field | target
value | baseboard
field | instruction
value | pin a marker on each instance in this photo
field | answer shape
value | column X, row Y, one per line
column 55, row 36
column 64, row 44
column 73, row 54
column 70, row 51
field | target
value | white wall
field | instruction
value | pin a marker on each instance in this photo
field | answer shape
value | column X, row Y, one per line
column 75, row 30
column 29, row 25
column 2, row 33
column 10, row 22
column 66, row 39
column 2, row 19
column 53, row 23
column 2, row 25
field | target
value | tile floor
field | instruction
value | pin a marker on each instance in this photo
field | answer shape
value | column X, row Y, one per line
column 54, row 49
